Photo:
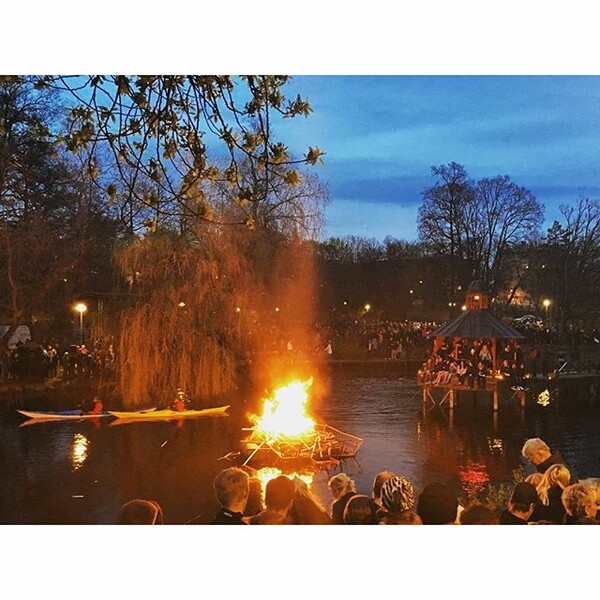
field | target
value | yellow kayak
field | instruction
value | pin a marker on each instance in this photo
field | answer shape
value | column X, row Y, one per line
column 167, row 414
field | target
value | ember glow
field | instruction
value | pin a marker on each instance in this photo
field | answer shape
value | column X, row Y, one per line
column 286, row 413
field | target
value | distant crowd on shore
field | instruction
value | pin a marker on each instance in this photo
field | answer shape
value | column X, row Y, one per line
column 549, row 496
column 53, row 359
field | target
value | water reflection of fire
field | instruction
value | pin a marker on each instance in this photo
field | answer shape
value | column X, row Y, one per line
column 265, row 475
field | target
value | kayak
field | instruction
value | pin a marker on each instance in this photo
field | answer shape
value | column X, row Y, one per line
column 166, row 415
column 61, row 414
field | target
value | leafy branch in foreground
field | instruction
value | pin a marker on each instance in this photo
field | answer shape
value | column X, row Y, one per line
column 161, row 129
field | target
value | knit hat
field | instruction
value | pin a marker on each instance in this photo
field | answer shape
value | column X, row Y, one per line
column 437, row 505
column 397, row 494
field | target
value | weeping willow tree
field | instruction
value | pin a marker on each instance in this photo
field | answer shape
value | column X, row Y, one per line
column 180, row 331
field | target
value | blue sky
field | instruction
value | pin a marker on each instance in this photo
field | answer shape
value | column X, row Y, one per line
column 382, row 135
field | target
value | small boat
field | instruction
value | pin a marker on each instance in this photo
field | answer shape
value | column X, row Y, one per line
column 165, row 415
column 61, row 414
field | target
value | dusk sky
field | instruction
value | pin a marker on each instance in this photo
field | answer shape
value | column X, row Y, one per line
column 382, row 135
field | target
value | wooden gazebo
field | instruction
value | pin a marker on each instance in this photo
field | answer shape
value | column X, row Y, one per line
column 476, row 322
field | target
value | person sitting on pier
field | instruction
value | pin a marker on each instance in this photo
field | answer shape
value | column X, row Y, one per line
column 481, row 372
column 521, row 505
column 485, row 355
column 507, row 372
column 538, row 453
column 462, row 371
column 444, row 373
column 231, row 486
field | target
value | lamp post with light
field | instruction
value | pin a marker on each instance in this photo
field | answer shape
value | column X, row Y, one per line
column 546, row 304
column 81, row 308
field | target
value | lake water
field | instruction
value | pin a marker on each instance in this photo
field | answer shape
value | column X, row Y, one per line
column 81, row 472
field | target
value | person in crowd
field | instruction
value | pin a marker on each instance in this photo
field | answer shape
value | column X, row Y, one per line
column 360, row 510
column 538, row 453
column 231, row 486
column 462, row 370
column 534, row 355
column 342, row 488
column 179, row 402
column 437, row 505
column 581, row 503
column 255, row 502
column 521, row 505
column 477, row 513
column 378, row 482
column 279, row 496
column 140, row 512
column 306, row 509
column 550, row 507
column 398, row 499
column 481, row 372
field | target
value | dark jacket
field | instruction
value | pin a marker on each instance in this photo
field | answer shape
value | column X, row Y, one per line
column 227, row 517
column 554, row 512
column 554, row 459
column 507, row 518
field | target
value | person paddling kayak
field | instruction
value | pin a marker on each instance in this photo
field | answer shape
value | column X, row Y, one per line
column 97, row 406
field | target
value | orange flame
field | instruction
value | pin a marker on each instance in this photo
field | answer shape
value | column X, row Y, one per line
column 286, row 413
column 267, row 473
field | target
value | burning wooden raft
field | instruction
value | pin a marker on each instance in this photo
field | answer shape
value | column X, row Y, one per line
column 286, row 434
column 325, row 444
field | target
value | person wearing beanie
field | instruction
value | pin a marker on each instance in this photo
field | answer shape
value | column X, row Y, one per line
column 437, row 505
column 398, row 500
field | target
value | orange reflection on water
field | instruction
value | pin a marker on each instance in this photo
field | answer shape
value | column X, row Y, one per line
column 79, row 451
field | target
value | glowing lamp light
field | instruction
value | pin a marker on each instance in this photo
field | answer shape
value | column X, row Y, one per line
column 181, row 304
column 367, row 307
column 463, row 307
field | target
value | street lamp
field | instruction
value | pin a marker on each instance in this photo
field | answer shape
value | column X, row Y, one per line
column 546, row 304
column 81, row 308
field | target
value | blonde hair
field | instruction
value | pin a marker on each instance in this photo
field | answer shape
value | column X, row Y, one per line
column 577, row 497
column 555, row 475
column 341, row 484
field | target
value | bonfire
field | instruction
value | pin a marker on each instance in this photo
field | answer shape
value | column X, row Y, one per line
column 285, row 433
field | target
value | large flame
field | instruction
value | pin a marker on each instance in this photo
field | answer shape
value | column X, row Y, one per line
column 286, row 413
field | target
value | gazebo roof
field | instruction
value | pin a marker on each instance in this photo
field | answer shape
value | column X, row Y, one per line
column 475, row 324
